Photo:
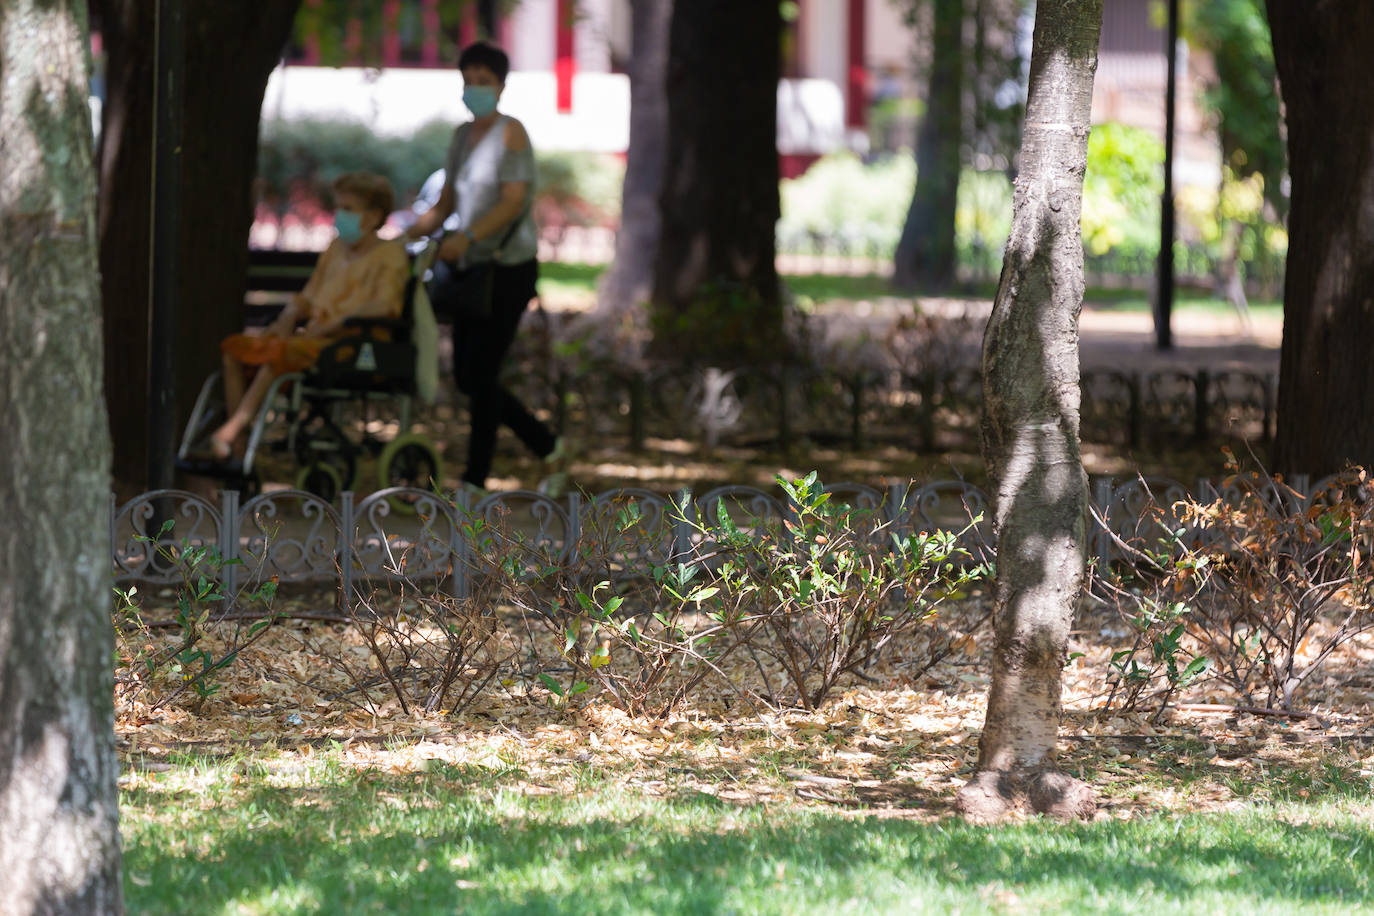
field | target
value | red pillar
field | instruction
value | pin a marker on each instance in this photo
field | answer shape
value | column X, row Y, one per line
column 429, row 18
column 311, row 57
column 856, row 90
column 565, row 63
column 467, row 31
column 391, row 34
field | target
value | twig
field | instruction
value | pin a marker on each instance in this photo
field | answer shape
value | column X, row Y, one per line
column 282, row 615
column 1252, row 710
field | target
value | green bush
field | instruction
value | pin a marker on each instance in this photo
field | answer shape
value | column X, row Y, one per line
column 1121, row 190
column 582, row 188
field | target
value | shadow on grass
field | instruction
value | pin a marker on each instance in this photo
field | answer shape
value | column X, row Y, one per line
column 422, row 844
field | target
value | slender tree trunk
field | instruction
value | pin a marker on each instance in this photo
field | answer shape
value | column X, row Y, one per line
column 925, row 255
column 716, row 292
column 1321, row 51
column 1030, row 430
column 629, row 282
column 59, row 812
column 231, row 48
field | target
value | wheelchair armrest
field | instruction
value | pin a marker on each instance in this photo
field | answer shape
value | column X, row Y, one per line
column 391, row 324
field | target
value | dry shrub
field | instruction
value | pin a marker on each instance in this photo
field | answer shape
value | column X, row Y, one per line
column 1253, row 589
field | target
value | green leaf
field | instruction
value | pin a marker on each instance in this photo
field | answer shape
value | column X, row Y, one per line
column 702, row 593
column 554, row 687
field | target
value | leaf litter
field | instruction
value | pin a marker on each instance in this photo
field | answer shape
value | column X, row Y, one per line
column 886, row 745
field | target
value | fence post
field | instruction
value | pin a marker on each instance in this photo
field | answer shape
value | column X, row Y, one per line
column 114, row 548
column 1135, row 410
column 638, row 396
column 560, row 394
column 784, row 405
column 229, row 543
column 1101, row 543
column 926, row 420
column 346, row 527
column 570, row 552
column 682, row 529
column 459, row 549
column 1269, row 387
column 856, row 410
column 896, row 502
column 1203, row 382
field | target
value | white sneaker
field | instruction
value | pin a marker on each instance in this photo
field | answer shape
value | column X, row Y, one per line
column 555, row 483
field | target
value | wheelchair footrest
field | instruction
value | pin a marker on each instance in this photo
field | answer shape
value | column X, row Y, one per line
column 205, row 466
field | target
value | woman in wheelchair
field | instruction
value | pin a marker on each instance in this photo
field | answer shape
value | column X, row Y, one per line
column 358, row 275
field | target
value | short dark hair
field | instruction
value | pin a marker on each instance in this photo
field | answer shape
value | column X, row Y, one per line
column 485, row 54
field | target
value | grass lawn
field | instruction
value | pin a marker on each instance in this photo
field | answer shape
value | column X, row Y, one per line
column 567, row 282
column 289, row 832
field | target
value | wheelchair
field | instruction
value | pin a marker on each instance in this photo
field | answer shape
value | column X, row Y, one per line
column 376, row 368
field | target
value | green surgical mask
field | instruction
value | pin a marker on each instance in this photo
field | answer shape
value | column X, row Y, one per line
column 349, row 225
column 480, row 100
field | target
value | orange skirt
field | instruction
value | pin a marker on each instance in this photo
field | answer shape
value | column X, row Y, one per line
column 283, row 354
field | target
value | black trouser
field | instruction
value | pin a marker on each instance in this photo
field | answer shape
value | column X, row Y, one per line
column 479, row 349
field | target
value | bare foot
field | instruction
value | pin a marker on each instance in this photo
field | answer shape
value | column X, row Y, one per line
column 222, row 448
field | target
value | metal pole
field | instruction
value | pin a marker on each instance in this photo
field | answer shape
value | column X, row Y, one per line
column 1164, row 293
column 168, row 101
column 486, row 19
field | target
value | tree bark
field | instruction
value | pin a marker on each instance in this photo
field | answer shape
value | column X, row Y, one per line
column 716, row 293
column 231, row 48
column 1325, row 386
column 1030, row 430
column 629, row 282
column 59, row 813
column 925, row 256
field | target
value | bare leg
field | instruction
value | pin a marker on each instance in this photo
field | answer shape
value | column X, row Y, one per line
column 233, row 383
column 222, row 439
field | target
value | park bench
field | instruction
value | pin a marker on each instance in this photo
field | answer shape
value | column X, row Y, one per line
column 272, row 277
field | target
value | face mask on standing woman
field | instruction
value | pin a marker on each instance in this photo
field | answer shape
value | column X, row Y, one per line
column 480, row 100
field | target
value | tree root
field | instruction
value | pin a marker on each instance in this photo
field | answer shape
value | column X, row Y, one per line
column 991, row 796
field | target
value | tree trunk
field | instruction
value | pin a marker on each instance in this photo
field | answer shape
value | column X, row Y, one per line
column 231, row 48
column 629, row 281
column 1030, row 429
column 1325, row 386
column 926, row 251
column 59, row 813
column 716, row 292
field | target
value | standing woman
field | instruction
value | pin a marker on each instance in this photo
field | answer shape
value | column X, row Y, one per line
column 489, row 185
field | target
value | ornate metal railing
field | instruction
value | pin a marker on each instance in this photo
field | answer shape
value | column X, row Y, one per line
column 922, row 411
column 297, row 537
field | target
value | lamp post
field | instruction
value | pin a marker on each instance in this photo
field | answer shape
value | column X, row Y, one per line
column 168, row 101
column 1164, row 291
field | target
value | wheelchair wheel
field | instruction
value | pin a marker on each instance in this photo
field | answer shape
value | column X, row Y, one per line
column 408, row 461
column 322, row 479
column 321, row 442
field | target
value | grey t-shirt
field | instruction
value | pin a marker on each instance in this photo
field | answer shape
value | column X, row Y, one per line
column 477, row 172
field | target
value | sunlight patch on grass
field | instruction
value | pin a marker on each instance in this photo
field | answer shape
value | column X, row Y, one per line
column 489, row 841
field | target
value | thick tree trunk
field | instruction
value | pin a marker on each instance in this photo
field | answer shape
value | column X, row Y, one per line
column 716, row 292
column 231, row 48
column 1030, row 429
column 59, row 813
column 1321, row 51
column 629, row 282
column 925, row 256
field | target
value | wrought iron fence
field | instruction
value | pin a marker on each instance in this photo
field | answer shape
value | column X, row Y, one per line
column 294, row 536
column 857, row 408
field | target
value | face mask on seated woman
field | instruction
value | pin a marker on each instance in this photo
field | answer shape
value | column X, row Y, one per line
column 348, row 225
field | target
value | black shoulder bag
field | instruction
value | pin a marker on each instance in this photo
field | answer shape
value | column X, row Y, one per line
column 464, row 294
